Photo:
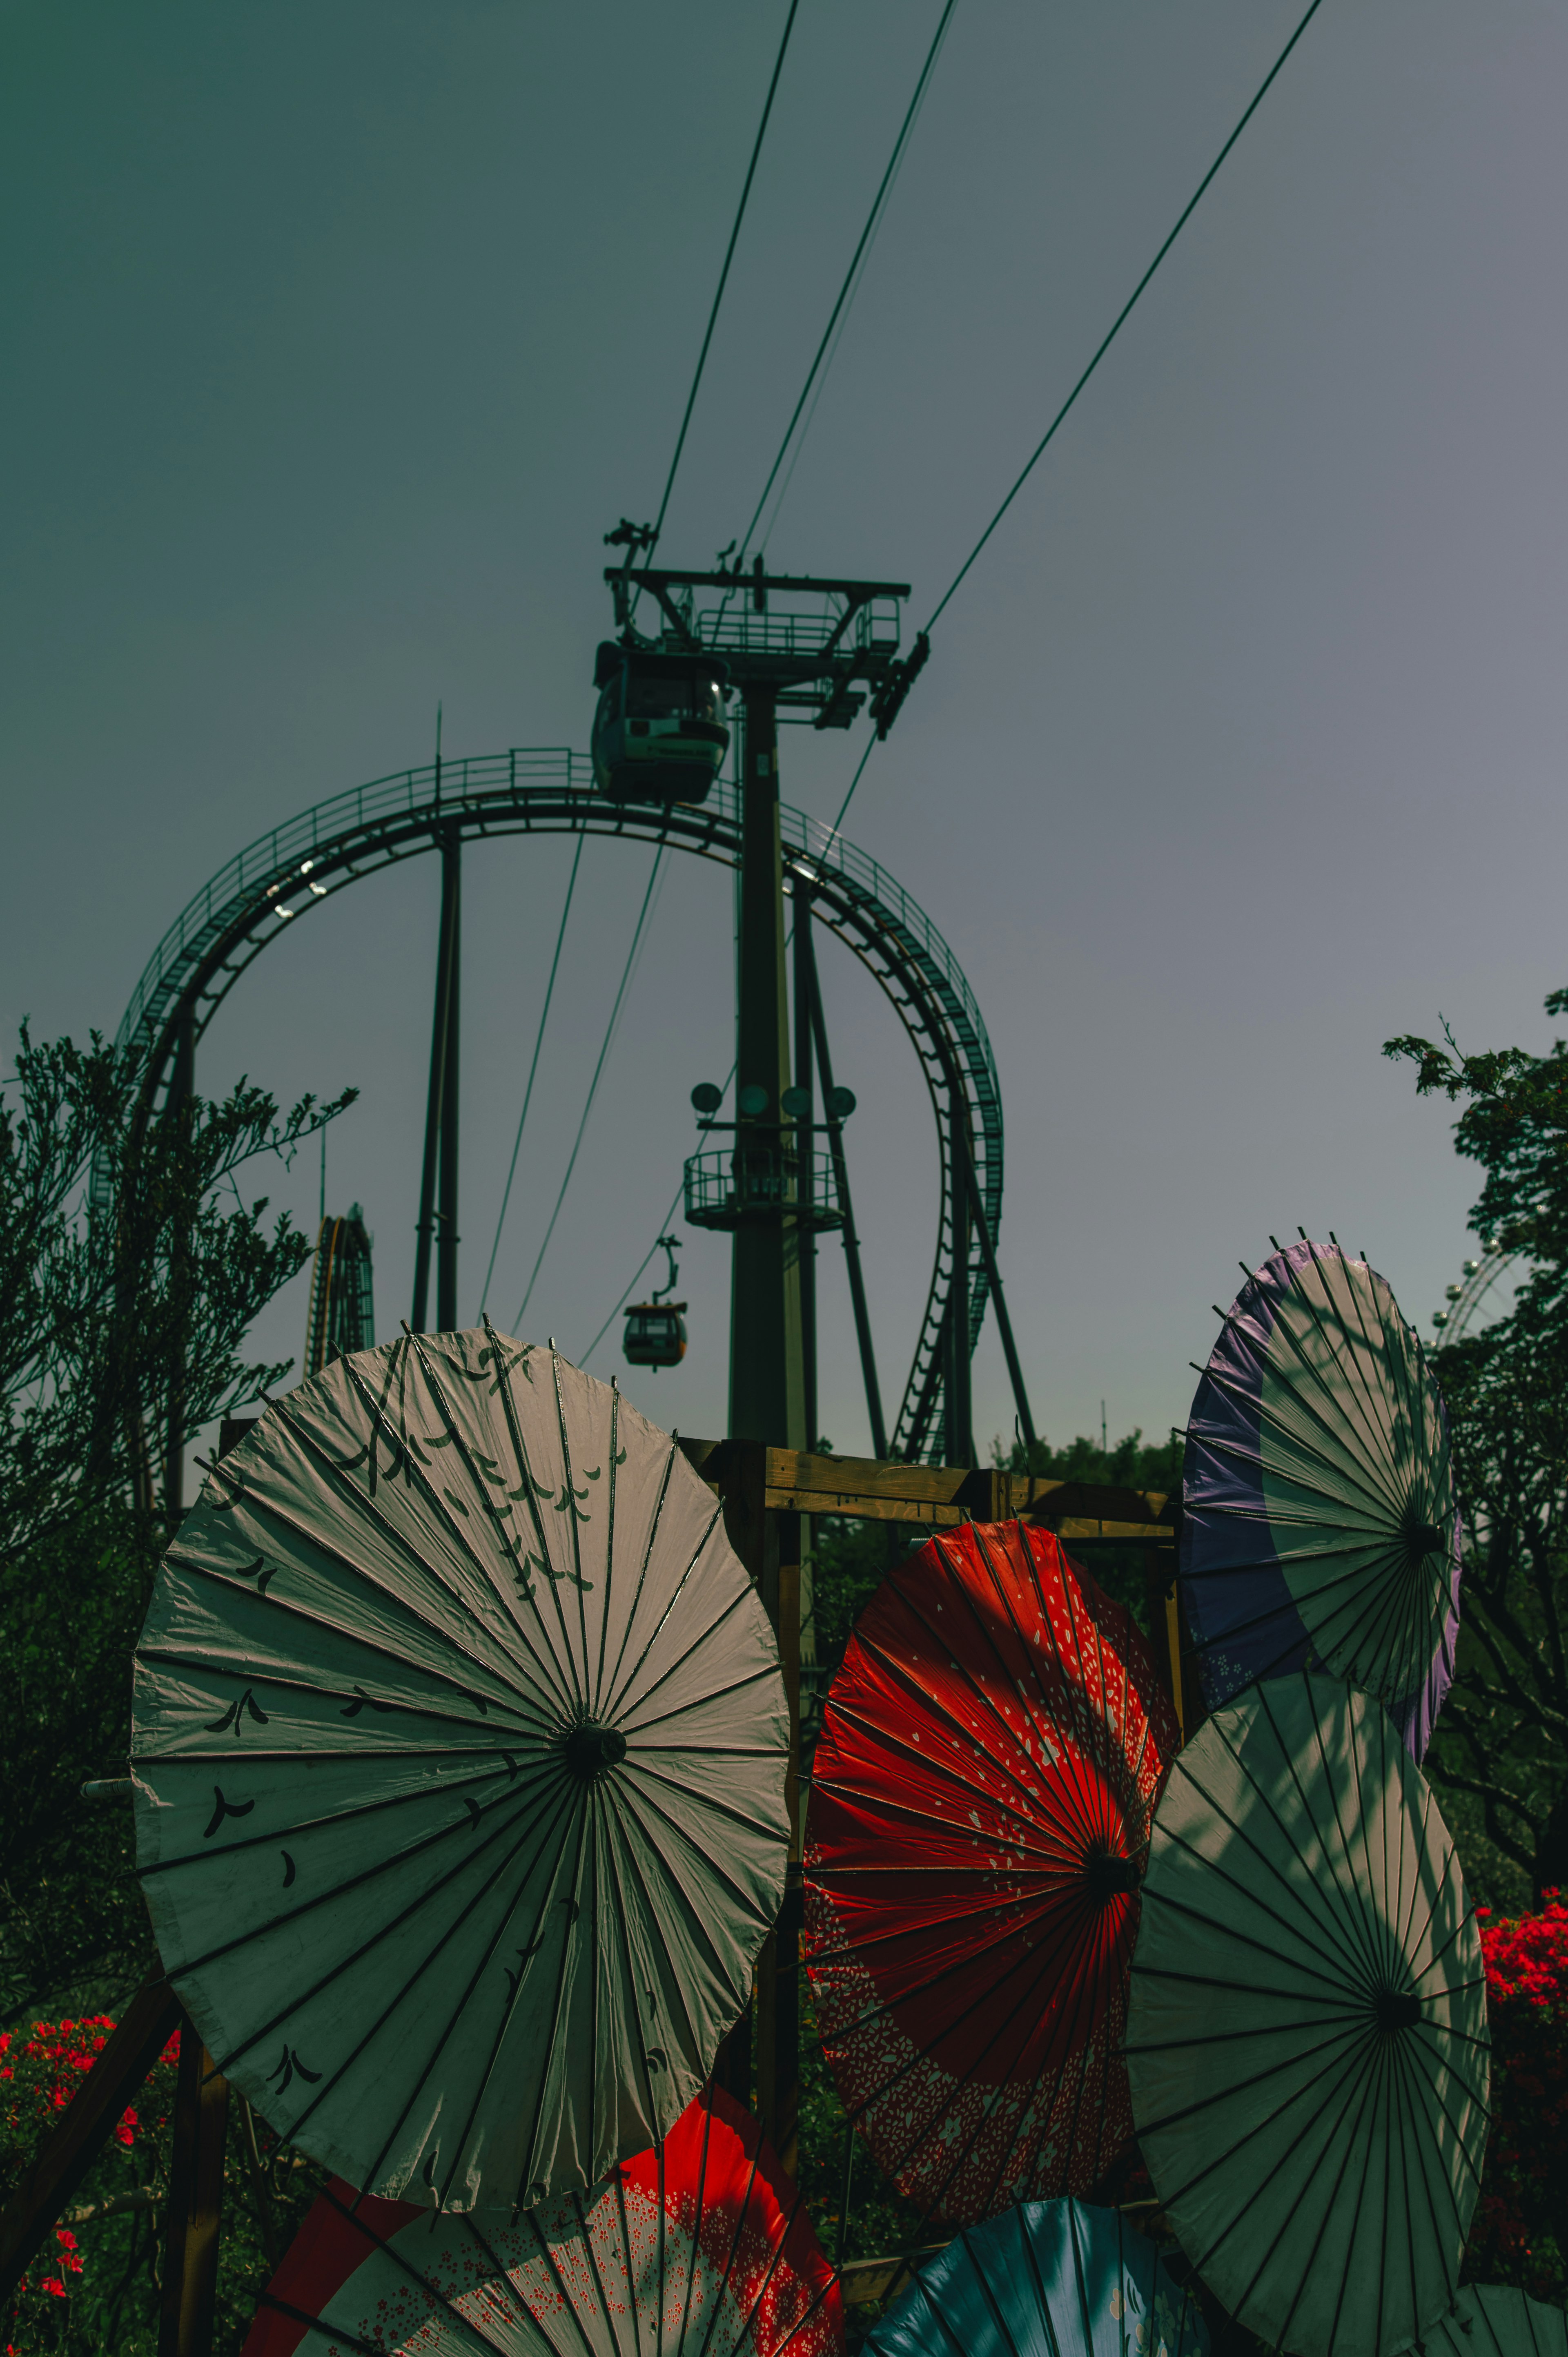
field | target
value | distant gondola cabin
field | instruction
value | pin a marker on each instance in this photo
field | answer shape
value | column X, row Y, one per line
column 655, row 1334
column 659, row 732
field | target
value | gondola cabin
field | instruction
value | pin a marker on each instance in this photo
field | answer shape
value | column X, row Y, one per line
column 655, row 1334
column 659, row 732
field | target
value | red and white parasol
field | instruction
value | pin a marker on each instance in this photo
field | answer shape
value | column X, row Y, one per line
column 693, row 2249
column 991, row 1756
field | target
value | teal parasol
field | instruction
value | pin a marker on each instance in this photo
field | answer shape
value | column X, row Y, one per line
column 1320, row 1526
column 1498, row 2321
column 1046, row 2280
column 1307, row 2040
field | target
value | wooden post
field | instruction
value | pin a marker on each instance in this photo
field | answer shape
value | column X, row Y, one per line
column 757, row 1531
column 1159, row 1578
column 195, row 2204
column 779, row 2103
column 740, row 1471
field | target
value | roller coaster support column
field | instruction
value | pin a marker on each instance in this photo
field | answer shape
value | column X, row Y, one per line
column 767, row 1389
column 805, row 1141
column 958, row 1436
column 438, row 1184
column 999, row 1299
column 178, row 1111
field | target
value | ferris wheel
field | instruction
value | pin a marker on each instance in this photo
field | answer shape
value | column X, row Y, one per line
column 1476, row 1281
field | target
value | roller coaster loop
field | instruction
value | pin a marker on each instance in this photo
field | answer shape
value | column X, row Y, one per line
column 256, row 899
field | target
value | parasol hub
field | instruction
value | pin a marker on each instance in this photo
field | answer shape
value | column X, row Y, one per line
column 592, row 1750
column 1396, row 2009
column 1109, row 1875
column 1427, row 1539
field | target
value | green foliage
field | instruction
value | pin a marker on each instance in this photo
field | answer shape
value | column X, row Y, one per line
column 879, row 2221
column 1131, row 1463
column 1501, row 1748
column 129, row 1271
column 73, row 1930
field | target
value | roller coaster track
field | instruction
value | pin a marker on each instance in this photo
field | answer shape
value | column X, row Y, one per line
column 268, row 887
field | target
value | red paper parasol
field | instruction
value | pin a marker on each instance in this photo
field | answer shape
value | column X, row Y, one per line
column 991, row 1756
column 698, row 2246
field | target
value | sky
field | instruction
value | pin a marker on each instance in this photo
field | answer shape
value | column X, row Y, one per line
column 340, row 336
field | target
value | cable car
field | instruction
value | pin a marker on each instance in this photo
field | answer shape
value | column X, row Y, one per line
column 655, row 1335
column 659, row 732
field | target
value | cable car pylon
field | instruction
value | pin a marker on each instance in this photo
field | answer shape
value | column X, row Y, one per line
column 792, row 648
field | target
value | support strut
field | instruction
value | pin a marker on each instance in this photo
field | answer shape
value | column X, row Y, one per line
column 841, row 1181
column 805, row 1140
column 993, row 1277
column 438, row 1181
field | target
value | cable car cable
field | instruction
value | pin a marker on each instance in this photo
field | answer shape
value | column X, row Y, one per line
column 826, row 371
column 873, row 219
column 1122, row 315
column 533, row 1069
column 594, row 1084
column 723, row 277
column 1116, row 326
column 648, row 1255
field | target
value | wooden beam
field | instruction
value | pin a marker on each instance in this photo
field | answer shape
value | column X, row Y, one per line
column 862, row 1485
column 863, row 2281
column 1084, row 1504
column 74, row 2143
column 194, row 2216
column 868, row 1489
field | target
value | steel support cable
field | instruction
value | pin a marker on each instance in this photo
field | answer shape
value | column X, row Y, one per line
column 724, row 280
column 1188, row 209
column 648, row 1255
column 642, row 1264
column 533, row 1069
column 594, row 1084
column 873, row 219
column 825, row 368
column 664, row 1223
column 1109, row 338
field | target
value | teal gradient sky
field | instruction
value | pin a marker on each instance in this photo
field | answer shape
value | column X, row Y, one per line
column 336, row 336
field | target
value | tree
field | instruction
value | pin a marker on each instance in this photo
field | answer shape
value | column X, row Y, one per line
column 127, row 1277
column 130, row 1270
column 1502, row 1739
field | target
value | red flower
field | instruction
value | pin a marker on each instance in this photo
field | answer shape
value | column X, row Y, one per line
column 1521, row 2231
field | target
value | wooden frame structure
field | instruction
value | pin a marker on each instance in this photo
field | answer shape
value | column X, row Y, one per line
column 770, row 1498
